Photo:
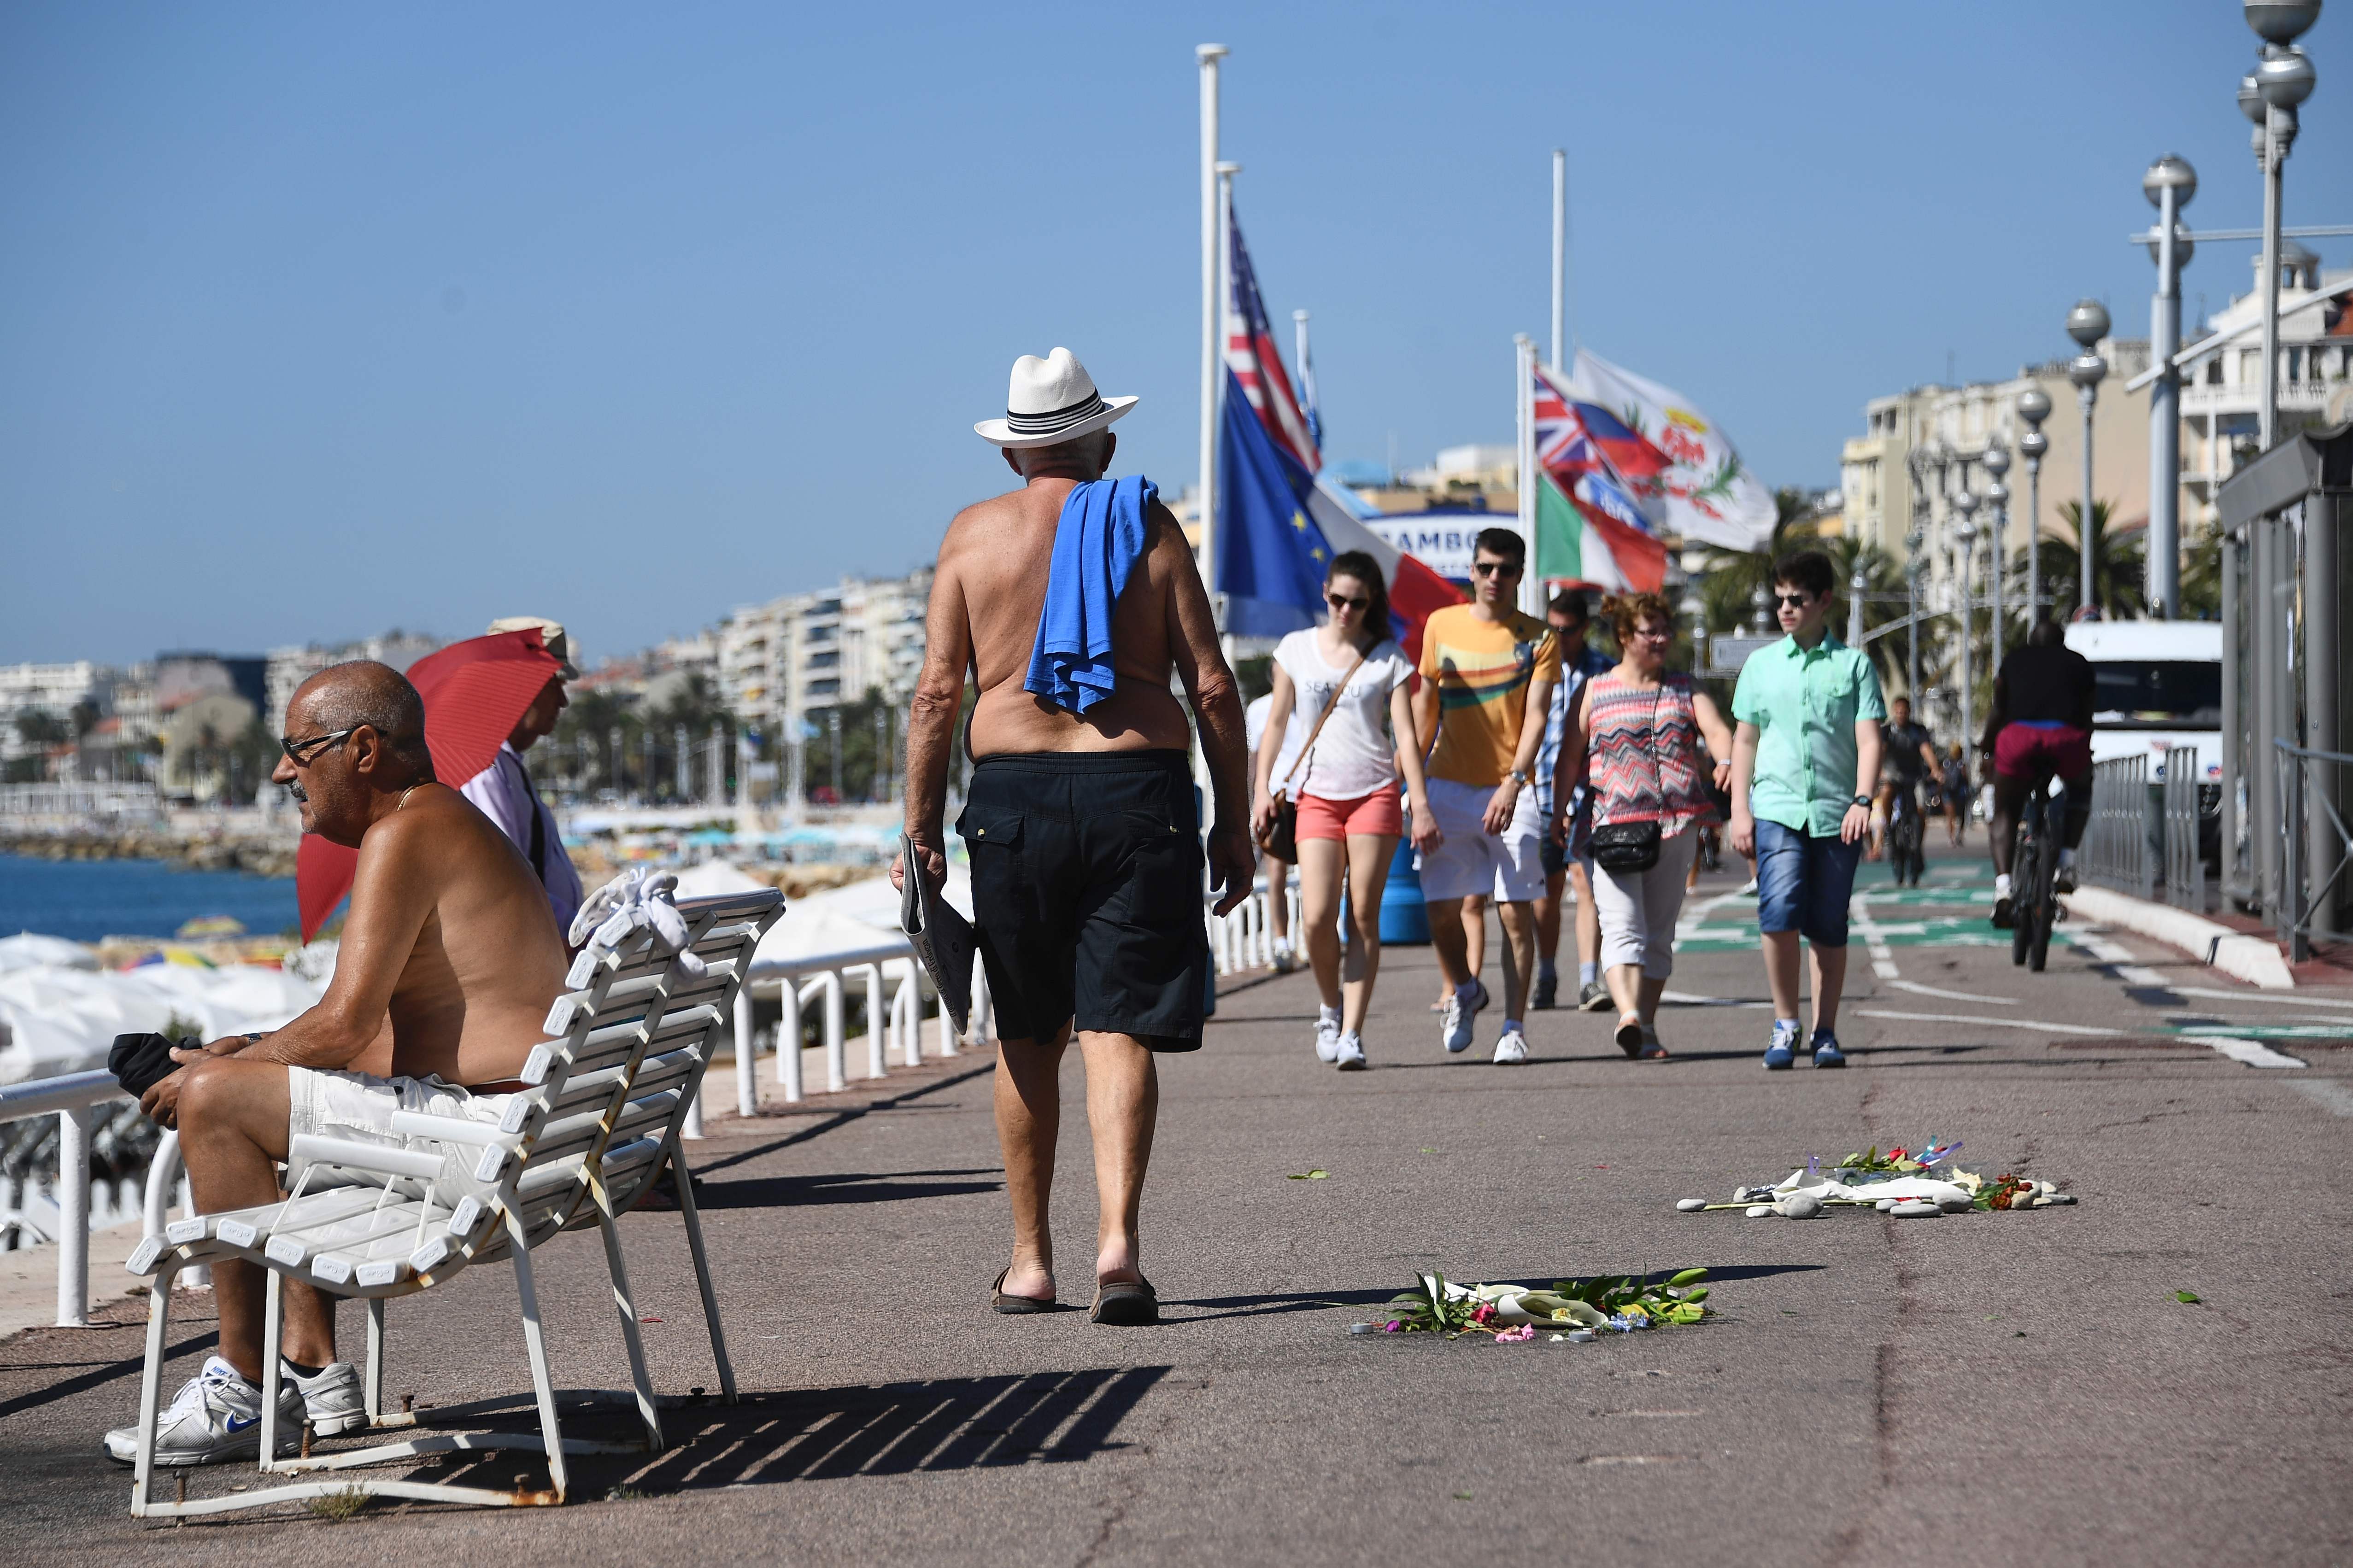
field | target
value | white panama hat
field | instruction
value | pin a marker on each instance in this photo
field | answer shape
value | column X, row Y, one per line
column 1051, row 401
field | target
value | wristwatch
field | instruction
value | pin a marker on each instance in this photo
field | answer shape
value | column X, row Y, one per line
column 1519, row 777
column 1862, row 800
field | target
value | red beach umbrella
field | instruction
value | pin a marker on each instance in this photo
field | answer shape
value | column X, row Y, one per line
column 475, row 692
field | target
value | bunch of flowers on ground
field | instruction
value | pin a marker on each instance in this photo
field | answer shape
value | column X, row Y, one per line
column 1578, row 1309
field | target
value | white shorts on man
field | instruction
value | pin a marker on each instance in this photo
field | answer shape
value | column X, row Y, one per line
column 1507, row 866
column 358, row 1106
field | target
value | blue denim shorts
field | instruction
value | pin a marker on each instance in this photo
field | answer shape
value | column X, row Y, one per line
column 1803, row 882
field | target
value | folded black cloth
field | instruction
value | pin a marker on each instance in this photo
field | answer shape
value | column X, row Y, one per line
column 139, row 1062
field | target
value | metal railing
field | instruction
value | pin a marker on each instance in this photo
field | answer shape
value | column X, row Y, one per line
column 824, row 979
column 72, row 1099
column 2117, row 850
column 2316, row 848
column 2185, row 859
column 1244, row 937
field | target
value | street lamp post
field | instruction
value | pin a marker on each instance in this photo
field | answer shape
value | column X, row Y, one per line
column 2088, row 324
column 2282, row 77
column 1997, row 495
column 1965, row 534
column 1911, row 544
column 2168, row 185
column 2034, row 408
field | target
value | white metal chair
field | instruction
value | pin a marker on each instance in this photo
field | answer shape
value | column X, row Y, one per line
column 625, row 1053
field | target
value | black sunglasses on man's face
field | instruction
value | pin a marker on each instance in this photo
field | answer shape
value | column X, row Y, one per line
column 301, row 753
column 1796, row 601
column 1492, row 568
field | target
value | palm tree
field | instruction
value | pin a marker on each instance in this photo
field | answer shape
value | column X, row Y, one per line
column 2117, row 571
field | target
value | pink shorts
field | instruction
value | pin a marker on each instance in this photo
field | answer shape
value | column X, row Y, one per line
column 1376, row 813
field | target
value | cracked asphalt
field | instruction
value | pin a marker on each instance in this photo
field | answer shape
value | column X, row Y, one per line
column 1988, row 1388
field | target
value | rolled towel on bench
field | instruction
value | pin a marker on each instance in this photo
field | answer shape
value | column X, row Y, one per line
column 638, row 899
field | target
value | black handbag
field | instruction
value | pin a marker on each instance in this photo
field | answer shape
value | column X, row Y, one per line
column 1631, row 846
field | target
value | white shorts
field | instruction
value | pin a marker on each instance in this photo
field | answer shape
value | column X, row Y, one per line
column 358, row 1106
column 1508, row 865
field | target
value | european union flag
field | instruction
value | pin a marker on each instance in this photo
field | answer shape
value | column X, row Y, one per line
column 1272, row 558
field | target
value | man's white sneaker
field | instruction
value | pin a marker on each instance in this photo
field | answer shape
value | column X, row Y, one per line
column 332, row 1402
column 216, row 1417
column 1327, row 1040
column 1350, row 1054
column 1454, row 1024
column 1511, row 1049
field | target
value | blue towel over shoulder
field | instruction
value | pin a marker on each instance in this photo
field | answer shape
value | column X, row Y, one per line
column 1097, row 541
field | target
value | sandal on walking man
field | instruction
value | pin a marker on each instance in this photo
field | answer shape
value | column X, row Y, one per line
column 1081, row 822
column 1487, row 675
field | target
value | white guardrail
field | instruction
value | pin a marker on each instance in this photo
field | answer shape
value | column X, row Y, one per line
column 1241, row 940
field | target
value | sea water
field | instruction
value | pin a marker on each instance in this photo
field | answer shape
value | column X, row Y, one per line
column 83, row 901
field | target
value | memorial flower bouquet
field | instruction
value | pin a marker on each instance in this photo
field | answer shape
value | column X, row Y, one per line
column 1512, row 1313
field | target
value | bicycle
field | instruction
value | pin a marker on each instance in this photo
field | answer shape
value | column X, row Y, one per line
column 1906, row 832
column 2034, row 872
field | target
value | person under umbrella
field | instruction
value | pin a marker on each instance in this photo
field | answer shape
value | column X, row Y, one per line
column 504, row 791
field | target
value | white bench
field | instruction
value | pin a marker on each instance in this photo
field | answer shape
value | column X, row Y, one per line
column 624, row 1059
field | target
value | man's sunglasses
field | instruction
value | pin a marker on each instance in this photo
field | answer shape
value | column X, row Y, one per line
column 1491, row 568
column 1795, row 600
column 302, row 752
column 1341, row 602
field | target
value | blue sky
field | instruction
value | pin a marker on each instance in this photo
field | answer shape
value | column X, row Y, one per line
column 318, row 321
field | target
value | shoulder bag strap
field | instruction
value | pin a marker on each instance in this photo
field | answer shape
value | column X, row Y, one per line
column 1307, row 747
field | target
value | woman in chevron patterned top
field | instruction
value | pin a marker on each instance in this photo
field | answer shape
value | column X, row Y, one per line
column 1641, row 737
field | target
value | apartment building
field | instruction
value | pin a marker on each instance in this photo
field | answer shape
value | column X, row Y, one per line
column 785, row 663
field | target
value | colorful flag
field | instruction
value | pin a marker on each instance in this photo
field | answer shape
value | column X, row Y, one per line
column 1257, row 364
column 1278, row 531
column 1573, row 435
column 1704, row 495
column 1590, row 525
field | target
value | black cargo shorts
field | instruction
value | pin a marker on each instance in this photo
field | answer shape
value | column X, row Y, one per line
column 1086, row 892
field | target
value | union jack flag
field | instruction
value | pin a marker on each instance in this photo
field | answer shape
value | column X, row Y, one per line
column 1574, row 437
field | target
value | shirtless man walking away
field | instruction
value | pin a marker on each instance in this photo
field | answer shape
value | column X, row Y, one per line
column 449, row 963
column 1082, row 826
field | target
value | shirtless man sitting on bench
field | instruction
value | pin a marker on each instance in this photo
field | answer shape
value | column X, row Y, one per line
column 449, row 963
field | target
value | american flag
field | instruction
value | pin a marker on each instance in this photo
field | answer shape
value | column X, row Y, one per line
column 1257, row 364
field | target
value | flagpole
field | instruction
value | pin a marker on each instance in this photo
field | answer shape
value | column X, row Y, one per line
column 1299, row 349
column 1225, row 173
column 1531, row 585
column 1559, row 251
column 1212, row 317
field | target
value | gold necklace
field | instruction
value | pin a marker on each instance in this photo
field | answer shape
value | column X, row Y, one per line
column 411, row 789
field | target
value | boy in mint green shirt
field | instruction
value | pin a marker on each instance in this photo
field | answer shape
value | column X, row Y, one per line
column 1805, row 760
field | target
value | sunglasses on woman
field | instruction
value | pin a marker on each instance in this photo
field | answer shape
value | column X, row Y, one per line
column 1341, row 602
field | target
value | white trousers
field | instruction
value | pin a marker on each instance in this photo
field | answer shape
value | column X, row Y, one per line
column 1638, row 909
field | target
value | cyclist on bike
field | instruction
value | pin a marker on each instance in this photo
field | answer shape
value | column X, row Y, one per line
column 2041, row 724
column 1911, row 756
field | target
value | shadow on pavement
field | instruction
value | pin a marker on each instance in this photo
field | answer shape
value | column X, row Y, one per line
column 875, row 1429
column 842, row 1187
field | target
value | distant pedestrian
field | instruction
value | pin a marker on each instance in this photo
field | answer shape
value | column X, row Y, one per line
column 1348, row 677
column 1074, row 601
column 1487, row 673
column 1804, row 761
column 1650, row 743
column 1273, row 868
column 1565, row 805
column 504, row 792
column 1955, row 788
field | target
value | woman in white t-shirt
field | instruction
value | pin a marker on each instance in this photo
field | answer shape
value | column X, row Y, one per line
column 1346, row 786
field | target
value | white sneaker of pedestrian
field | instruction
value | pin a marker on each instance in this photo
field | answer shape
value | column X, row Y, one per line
column 332, row 1401
column 1511, row 1048
column 1454, row 1024
column 1350, row 1053
column 1283, row 963
column 1328, row 1039
column 215, row 1416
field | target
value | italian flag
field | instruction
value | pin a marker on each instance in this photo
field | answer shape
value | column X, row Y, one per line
column 1584, row 545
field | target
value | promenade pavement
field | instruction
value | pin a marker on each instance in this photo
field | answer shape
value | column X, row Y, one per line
column 1988, row 1388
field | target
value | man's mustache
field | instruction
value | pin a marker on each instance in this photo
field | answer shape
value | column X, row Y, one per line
column 294, row 791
